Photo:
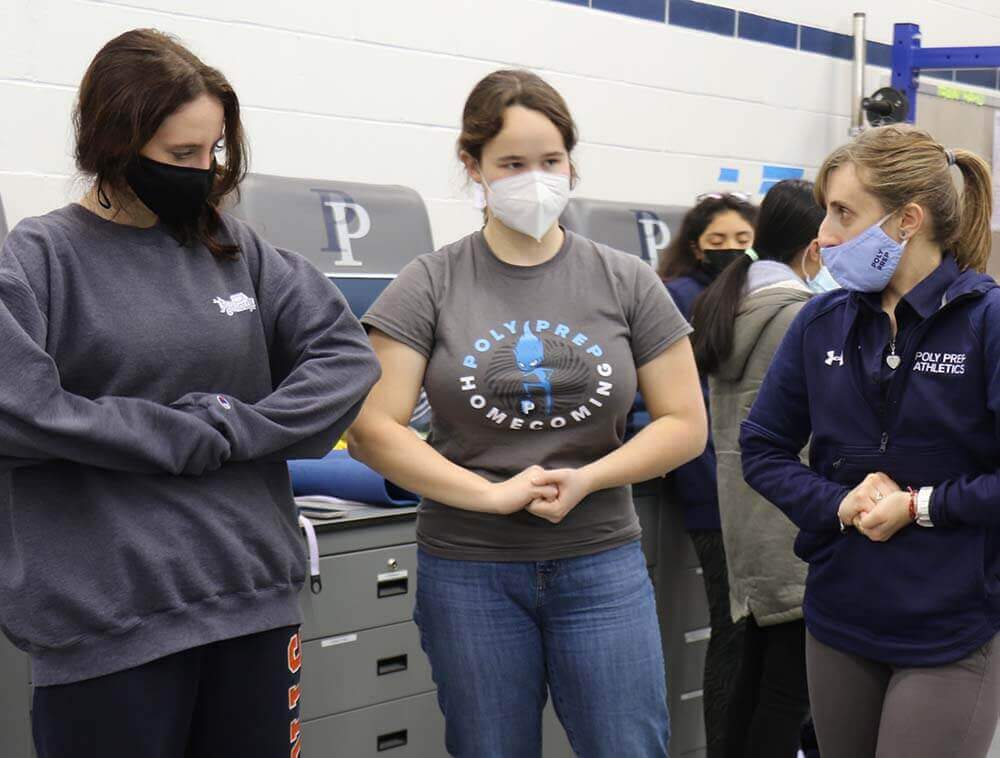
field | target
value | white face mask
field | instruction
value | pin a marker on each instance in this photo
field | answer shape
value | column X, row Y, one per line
column 529, row 202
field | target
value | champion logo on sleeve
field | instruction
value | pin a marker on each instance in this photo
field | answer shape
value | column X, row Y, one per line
column 237, row 303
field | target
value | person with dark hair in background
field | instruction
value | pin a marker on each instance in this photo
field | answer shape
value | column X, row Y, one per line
column 160, row 364
column 896, row 381
column 713, row 234
column 739, row 322
column 531, row 342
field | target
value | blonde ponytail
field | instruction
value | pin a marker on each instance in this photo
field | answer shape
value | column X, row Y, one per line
column 974, row 240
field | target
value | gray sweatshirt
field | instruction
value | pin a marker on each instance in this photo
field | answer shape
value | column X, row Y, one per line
column 765, row 577
column 149, row 397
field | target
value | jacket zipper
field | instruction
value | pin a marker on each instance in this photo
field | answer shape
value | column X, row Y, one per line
column 913, row 337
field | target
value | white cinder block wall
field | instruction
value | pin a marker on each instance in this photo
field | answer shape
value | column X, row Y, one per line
column 372, row 90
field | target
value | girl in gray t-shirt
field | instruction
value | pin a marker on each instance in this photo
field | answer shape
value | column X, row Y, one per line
column 531, row 342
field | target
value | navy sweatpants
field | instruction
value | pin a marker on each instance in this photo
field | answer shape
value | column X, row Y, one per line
column 235, row 697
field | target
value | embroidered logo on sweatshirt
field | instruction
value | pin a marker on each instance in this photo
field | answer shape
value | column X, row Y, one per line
column 940, row 363
column 832, row 357
column 237, row 303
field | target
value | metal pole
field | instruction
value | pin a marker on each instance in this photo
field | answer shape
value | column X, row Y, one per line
column 905, row 75
column 858, row 79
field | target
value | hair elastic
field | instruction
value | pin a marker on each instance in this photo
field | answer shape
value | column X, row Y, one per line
column 102, row 196
column 951, row 157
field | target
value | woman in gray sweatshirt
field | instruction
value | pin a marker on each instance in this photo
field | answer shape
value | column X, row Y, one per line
column 739, row 322
column 160, row 362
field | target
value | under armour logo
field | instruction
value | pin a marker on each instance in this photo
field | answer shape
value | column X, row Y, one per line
column 832, row 357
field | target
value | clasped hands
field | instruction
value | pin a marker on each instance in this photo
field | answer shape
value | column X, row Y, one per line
column 877, row 508
column 549, row 494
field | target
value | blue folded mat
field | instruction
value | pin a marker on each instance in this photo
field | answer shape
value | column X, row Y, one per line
column 339, row 475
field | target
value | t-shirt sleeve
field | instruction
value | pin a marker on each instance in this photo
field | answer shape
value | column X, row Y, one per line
column 407, row 311
column 654, row 319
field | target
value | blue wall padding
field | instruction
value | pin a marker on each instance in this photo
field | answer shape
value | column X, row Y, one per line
column 339, row 475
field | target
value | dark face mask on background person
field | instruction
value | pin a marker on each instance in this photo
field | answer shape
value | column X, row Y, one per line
column 716, row 261
column 176, row 194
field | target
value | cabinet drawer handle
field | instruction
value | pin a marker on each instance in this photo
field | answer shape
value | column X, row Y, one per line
column 392, row 665
column 392, row 740
column 393, row 587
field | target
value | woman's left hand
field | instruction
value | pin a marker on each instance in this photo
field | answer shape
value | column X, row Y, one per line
column 573, row 484
column 886, row 517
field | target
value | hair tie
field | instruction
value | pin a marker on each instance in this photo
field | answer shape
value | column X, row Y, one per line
column 950, row 157
column 751, row 254
column 102, row 196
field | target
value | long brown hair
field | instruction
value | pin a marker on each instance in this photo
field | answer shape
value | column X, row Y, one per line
column 133, row 84
column 482, row 117
column 902, row 164
column 679, row 258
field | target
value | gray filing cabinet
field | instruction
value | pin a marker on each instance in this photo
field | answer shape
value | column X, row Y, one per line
column 366, row 683
column 683, row 614
column 15, row 732
column 15, row 699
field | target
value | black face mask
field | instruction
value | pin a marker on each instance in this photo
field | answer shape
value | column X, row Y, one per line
column 716, row 261
column 176, row 194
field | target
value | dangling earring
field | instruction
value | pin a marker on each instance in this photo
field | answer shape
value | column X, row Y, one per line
column 102, row 197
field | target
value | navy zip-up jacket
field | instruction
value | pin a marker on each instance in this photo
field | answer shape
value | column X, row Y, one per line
column 927, row 596
column 693, row 485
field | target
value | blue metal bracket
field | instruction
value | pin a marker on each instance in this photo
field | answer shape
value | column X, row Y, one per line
column 908, row 58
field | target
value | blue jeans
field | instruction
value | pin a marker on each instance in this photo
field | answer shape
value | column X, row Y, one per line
column 497, row 633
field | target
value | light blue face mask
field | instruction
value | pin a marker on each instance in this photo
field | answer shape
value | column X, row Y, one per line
column 867, row 262
column 822, row 282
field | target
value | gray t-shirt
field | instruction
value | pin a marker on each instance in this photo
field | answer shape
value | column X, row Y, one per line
column 529, row 365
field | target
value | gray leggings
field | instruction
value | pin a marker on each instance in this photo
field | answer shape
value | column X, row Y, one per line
column 864, row 709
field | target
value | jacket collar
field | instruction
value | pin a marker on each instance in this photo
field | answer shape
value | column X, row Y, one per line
column 945, row 284
column 941, row 286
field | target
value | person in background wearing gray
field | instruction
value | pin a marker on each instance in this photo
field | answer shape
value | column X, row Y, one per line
column 531, row 342
column 160, row 364
column 739, row 322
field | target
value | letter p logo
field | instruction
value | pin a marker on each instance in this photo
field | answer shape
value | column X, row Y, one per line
column 654, row 235
column 345, row 221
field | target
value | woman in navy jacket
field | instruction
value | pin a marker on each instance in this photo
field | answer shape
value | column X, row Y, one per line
column 897, row 380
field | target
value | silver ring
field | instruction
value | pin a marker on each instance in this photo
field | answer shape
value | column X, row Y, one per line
column 879, row 496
